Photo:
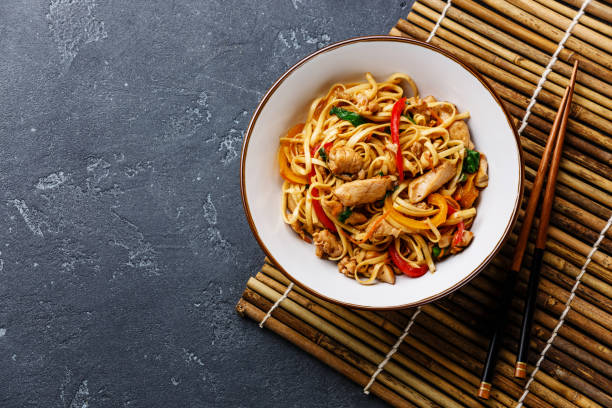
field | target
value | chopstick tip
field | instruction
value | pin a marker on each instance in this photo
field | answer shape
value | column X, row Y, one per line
column 520, row 370
column 485, row 390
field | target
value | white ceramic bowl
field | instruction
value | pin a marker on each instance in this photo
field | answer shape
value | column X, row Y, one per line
column 436, row 73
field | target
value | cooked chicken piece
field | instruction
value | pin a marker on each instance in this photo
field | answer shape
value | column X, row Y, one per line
column 429, row 182
column 363, row 191
column 385, row 274
column 291, row 202
column 356, row 218
column 334, row 207
column 482, row 177
column 298, row 228
column 372, row 107
column 443, row 111
column 430, row 99
column 426, row 160
column 466, row 238
column 459, row 131
column 446, row 239
column 372, row 254
column 417, row 148
column 326, row 244
column 344, row 160
column 385, row 229
column 362, row 100
column 467, row 193
column 347, row 266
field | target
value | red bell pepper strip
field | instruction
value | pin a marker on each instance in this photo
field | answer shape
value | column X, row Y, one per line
column 316, row 204
column 404, row 266
column 459, row 235
column 396, row 112
column 450, row 210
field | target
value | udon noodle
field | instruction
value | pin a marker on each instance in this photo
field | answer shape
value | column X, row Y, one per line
column 382, row 183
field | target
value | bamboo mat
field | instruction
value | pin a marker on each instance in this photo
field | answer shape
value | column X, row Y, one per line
column 522, row 49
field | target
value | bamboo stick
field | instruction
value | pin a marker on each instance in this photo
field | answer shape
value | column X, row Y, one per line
column 509, row 61
column 546, row 387
column 535, row 139
column 569, row 240
column 540, row 110
column 464, row 352
column 546, row 321
column 562, row 279
column 548, row 377
column 566, row 367
column 502, row 71
column 362, row 334
column 352, row 343
column 377, row 320
column 575, row 346
column 582, row 307
column 585, row 19
column 505, row 93
column 575, row 183
column 593, row 152
column 556, row 257
column 543, row 13
column 525, row 50
column 550, row 32
column 570, row 371
column 487, row 297
column 595, row 8
column 571, row 167
column 580, row 218
column 244, row 308
column 532, row 38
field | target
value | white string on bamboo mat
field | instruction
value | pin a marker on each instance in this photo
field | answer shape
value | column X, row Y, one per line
column 392, row 351
column 565, row 311
column 399, row 341
column 552, row 61
column 444, row 10
column 275, row 305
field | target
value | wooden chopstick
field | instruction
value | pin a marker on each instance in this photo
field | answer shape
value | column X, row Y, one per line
column 520, row 369
column 519, row 251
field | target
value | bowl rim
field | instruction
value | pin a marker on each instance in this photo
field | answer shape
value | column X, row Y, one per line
column 380, row 38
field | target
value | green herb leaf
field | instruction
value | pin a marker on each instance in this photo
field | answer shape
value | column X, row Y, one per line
column 355, row 118
column 408, row 116
column 471, row 161
column 435, row 251
column 462, row 178
column 323, row 154
column 345, row 214
column 380, row 173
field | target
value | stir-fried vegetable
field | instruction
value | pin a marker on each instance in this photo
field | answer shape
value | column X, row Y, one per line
column 398, row 107
column 285, row 170
column 459, row 235
column 471, row 161
column 408, row 116
column 323, row 154
column 404, row 266
column 345, row 214
column 467, row 193
column 435, row 251
column 435, row 199
column 316, row 202
column 355, row 118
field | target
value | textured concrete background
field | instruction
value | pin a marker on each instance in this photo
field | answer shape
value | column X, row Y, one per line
column 123, row 244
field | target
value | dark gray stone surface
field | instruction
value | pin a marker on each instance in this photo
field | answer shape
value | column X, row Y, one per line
column 123, row 244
